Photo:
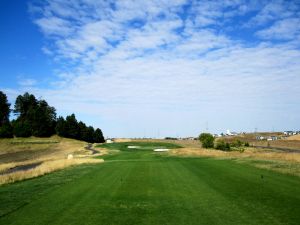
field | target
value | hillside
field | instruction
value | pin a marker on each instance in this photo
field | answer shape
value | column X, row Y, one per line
column 31, row 157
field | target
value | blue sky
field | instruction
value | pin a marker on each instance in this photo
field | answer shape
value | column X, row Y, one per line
column 157, row 68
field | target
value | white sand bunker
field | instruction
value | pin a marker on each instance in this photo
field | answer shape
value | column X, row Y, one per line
column 161, row 150
column 132, row 146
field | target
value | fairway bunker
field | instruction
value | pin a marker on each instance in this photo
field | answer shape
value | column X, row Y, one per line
column 161, row 150
column 133, row 147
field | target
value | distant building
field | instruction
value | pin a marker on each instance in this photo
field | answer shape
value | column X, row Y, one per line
column 269, row 138
column 272, row 138
column 228, row 133
column 289, row 133
column 260, row 138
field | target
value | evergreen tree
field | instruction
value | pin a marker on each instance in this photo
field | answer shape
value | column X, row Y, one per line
column 98, row 136
column 44, row 121
column 6, row 130
column 72, row 128
column 22, row 128
column 24, row 106
column 36, row 117
column 4, row 109
column 90, row 134
column 60, row 127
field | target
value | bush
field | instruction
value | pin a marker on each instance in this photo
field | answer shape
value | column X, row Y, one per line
column 237, row 143
column 222, row 145
column 246, row 144
column 207, row 140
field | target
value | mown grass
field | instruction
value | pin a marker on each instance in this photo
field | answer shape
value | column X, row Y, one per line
column 143, row 187
column 123, row 146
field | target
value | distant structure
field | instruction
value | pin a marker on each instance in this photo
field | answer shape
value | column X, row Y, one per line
column 228, row 133
column 109, row 141
column 290, row 133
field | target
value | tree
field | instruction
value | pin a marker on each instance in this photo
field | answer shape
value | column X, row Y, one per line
column 90, row 134
column 39, row 117
column 72, row 128
column 44, row 121
column 60, row 127
column 22, row 128
column 24, row 106
column 207, row 140
column 6, row 131
column 98, row 136
column 4, row 109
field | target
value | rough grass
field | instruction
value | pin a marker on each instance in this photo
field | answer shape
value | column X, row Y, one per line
column 280, row 161
column 45, row 168
column 51, row 152
column 141, row 187
column 29, row 149
column 294, row 137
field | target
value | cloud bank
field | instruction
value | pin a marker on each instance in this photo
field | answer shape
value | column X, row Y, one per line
column 156, row 68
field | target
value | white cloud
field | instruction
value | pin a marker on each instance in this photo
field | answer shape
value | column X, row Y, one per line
column 54, row 26
column 26, row 82
column 166, row 69
column 283, row 29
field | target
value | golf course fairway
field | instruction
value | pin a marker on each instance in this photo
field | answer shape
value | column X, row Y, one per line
column 139, row 186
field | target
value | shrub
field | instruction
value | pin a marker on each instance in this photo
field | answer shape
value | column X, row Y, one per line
column 222, row 145
column 246, row 144
column 237, row 143
column 207, row 140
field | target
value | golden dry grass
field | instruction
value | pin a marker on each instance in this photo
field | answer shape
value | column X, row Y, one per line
column 288, row 163
column 248, row 153
column 44, row 168
column 51, row 152
column 294, row 138
column 38, row 149
column 122, row 140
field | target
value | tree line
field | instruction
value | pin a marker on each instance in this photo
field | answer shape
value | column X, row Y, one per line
column 34, row 117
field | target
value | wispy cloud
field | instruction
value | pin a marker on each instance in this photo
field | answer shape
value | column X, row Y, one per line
column 26, row 82
column 152, row 64
column 287, row 29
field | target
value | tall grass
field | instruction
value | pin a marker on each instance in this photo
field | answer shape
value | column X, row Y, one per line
column 45, row 168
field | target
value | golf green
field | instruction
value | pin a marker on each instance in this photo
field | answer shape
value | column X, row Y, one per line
column 139, row 186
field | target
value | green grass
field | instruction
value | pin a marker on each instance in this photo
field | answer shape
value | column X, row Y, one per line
column 123, row 146
column 143, row 187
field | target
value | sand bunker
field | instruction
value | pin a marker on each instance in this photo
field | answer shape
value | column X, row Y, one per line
column 161, row 150
column 133, row 147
